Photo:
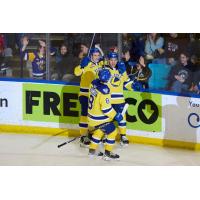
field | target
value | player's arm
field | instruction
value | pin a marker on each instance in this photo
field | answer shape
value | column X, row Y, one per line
column 78, row 71
column 106, row 106
column 108, row 109
column 23, row 52
column 127, row 82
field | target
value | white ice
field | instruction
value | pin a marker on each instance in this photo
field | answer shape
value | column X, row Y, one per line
column 41, row 150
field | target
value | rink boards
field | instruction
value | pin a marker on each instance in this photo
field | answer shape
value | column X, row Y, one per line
column 53, row 108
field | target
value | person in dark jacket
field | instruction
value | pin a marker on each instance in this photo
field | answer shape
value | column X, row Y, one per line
column 65, row 63
column 196, row 82
column 141, row 73
column 181, row 75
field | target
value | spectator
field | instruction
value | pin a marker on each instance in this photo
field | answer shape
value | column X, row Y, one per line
column 71, row 39
column 196, row 80
column 195, row 65
column 2, row 43
column 114, row 49
column 196, row 83
column 154, row 48
column 83, row 50
column 126, row 58
column 126, row 41
column 174, row 46
column 5, row 57
column 141, row 73
column 194, row 45
column 10, row 41
column 181, row 75
column 138, row 46
column 38, row 58
column 65, row 63
column 79, row 42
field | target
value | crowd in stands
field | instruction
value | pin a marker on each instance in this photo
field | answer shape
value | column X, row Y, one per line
column 177, row 54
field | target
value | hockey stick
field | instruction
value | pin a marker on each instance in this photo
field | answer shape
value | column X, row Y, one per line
column 125, row 109
column 122, row 113
column 91, row 44
column 69, row 141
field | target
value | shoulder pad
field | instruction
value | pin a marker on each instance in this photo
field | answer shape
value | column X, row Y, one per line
column 104, row 89
column 96, row 82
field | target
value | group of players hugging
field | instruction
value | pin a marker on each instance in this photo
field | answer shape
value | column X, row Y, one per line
column 103, row 80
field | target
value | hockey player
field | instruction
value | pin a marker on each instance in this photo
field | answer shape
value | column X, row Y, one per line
column 101, row 115
column 88, row 70
column 119, row 80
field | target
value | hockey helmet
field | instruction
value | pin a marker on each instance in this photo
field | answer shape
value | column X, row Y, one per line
column 112, row 55
column 104, row 75
column 94, row 50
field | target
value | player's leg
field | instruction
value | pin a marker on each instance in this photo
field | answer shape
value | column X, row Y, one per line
column 122, row 131
column 110, row 142
column 110, row 130
column 122, row 125
column 83, row 124
column 95, row 140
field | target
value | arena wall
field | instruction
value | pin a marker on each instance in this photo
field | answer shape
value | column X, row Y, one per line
column 52, row 108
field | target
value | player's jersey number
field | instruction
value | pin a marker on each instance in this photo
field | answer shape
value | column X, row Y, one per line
column 91, row 100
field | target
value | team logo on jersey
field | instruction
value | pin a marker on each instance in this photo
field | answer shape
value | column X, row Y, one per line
column 93, row 92
column 105, row 90
column 115, row 81
column 107, row 101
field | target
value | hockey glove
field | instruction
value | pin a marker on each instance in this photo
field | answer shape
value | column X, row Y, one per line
column 84, row 62
column 118, row 117
column 137, row 86
column 121, row 67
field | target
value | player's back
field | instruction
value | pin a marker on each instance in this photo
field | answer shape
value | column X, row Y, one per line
column 99, row 107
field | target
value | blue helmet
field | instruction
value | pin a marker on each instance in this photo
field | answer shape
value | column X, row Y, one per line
column 112, row 55
column 104, row 75
column 94, row 50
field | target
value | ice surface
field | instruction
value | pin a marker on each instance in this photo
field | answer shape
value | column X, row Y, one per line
column 41, row 150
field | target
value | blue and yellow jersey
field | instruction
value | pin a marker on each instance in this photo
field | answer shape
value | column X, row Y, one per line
column 88, row 74
column 100, row 109
column 117, row 84
column 38, row 63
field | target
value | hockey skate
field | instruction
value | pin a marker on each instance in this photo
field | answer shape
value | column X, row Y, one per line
column 110, row 156
column 84, row 141
column 93, row 153
column 123, row 140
